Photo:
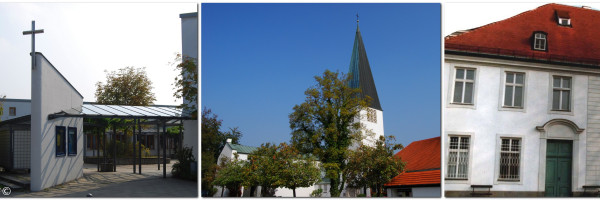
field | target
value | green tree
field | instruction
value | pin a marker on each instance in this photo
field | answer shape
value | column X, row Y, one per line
column 297, row 170
column 127, row 86
column 213, row 140
column 374, row 166
column 325, row 124
column 186, row 83
column 264, row 169
column 229, row 175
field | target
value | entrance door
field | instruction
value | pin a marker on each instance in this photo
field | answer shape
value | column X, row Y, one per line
column 558, row 168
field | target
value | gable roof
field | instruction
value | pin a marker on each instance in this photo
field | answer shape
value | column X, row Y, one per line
column 422, row 160
column 361, row 72
column 512, row 37
column 242, row 148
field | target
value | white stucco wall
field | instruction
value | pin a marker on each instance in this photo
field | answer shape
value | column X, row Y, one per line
column 51, row 93
column 486, row 122
column 22, row 108
column 190, row 136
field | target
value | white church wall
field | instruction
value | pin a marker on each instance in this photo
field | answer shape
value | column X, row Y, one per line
column 189, row 46
column 300, row 192
column 22, row 108
column 486, row 122
column 52, row 93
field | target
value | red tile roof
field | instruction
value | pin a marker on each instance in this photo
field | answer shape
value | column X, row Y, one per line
column 512, row 37
column 422, row 163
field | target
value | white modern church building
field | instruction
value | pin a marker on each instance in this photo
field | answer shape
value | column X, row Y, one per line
column 45, row 135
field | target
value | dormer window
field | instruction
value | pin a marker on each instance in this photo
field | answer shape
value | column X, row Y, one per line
column 540, row 41
column 563, row 18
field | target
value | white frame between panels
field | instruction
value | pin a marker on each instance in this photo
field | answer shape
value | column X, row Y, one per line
column 512, row 161
column 514, row 85
column 540, row 43
column 464, row 82
column 456, row 175
column 561, row 89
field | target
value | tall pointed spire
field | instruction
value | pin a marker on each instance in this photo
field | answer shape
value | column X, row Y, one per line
column 361, row 71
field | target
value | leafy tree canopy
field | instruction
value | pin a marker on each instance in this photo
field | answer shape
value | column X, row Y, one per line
column 229, row 176
column 213, row 140
column 373, row 166
column 325, row 124
column 127, row 86
column 186, row 83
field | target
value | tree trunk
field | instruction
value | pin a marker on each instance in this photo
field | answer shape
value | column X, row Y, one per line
column 222, row 190
column 294, row 189
column 365, row 191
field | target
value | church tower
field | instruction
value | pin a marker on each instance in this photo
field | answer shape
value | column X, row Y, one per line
column 372, row 117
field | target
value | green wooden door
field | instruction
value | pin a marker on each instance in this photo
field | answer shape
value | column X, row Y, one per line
column 558, row 168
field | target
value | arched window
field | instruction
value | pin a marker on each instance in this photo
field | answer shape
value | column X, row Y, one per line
column 540, row 41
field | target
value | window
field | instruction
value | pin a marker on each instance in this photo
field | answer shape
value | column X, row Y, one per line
column 510, row 154
column 458, row 157
column 561, row 93
column 91, row 141
column 371, row 115
column 60, row 141
column 539, row 41
column 513, row 90
column 72, row 136
column 463, row 86
column 564, row 22
column 12, row 111
column 404, row 192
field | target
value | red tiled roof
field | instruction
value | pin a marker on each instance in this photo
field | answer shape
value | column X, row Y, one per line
column 422, row 160
column 511, row 36
column 416, row 178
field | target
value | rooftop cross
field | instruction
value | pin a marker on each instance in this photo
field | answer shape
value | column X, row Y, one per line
column 33, row 32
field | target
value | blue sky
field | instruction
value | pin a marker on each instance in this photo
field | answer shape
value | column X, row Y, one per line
column 258, row 59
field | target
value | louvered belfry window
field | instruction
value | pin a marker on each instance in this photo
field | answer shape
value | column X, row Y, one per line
column 510, row 154
column 458, row 157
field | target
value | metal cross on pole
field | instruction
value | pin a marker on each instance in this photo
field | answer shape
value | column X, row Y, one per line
column 32, row 32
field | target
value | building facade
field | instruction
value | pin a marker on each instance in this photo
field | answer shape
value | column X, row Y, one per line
column 520, row 100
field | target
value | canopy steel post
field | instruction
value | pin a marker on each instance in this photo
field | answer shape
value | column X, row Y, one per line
column 164, row 150
column 180, row 147
column 97, row 148
column 158, row 145
column 104, row 144
column 133, row 145
column 140, row 147
column 114, row 139
column 12, row 146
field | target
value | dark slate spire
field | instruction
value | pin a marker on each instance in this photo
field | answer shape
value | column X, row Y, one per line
column 361, row 71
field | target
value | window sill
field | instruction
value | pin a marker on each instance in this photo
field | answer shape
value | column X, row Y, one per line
column 461, row 105
column 514, row 109
column 509, row 182
column 561, row 112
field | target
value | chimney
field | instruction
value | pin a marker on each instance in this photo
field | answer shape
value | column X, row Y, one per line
column 229, row 140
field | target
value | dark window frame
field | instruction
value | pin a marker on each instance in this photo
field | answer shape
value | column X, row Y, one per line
column 72, row 141
column 12, row 111
column 60, row 145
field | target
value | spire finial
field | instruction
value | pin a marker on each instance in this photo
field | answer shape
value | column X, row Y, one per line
column 357, row 18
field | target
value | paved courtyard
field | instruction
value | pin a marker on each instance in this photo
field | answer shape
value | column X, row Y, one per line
column 122, row 183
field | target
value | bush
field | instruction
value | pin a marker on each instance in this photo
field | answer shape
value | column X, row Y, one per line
column 316, row 193
column 361, row 195
column 182, row 169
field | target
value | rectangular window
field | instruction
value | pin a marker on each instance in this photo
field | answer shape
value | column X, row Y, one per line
column 458, row 157
column 463, row 86
column 513, row 89
column 539, row 41
column 561, row 93
column 12, row 111
column 510, row 154
column 60, row 141
column 150, row 141
column 72, row 136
